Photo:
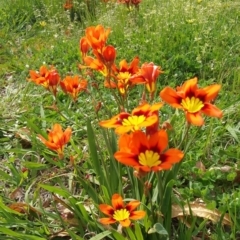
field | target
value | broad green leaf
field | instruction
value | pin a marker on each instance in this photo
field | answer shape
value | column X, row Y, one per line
column 158, row 228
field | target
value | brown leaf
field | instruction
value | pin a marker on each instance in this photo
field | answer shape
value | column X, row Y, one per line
column 24, row 208
column 199, row 210
column 200, row 166
column 24, row 135
column 62, row 234
column 16, row 194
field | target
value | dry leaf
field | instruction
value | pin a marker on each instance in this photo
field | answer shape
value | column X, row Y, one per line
column 199, row 210
column 200, row 166
column 24, row 208
column 16, row 194
column 62, row 234
column 24, row 135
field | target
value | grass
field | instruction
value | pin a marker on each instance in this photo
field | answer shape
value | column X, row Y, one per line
column 186, row 38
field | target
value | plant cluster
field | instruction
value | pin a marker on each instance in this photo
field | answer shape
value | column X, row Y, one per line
column 142, row 164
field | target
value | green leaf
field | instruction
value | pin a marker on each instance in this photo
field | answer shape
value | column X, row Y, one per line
column 118, row 236
column 93, row 151
column 56, row 190
column 233, row 132
column 138, row 231
column 101, row 235
column 130, row 234
column 158, row 228
column 90, row 190
column 36, row 166
column 19, row 236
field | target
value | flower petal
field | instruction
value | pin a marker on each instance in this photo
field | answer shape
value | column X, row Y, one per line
column 159, row 140
column 190, row 86
column 209, row 93
column 132, row 205
column 195, row 118
column 137, row 215
column 106, row 209
column 117, row 201
column 67, row 135
column 172, row 155
column 212, row 110
column 171, row 97
column 127, row 159
column 107, row 221
column 125, row 223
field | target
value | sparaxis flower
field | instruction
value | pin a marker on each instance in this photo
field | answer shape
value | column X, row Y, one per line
column 57, row 139
column 193, row 100
column 147, row 75
column 142, row 116
column 147, row 153
column 84, row 46
column 97, row 36
column 119, row 212
column 48, row 78
column 124, row 73
column 73, row 86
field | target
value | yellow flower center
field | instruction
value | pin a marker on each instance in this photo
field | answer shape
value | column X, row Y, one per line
column 120, row 215
column 124, row 77
column 134, row 121
column 149, row 158
column 192, row 104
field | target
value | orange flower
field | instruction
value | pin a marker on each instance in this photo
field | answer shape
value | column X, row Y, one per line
column 97, row 36
column 146, row 153
column 73, row 86
column 84, row 46
column 108, row 55
column 96, row 64
column 57, row 139
column 68, row 4
column 47, row 78
column 124, row 73
column 119, row 212
column 193, row 100
column 148, row 75
column 142, row 116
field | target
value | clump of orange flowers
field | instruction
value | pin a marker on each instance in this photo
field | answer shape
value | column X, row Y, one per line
column 103, row 58
column 57, row 139
column 119, row 212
